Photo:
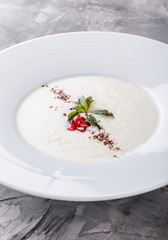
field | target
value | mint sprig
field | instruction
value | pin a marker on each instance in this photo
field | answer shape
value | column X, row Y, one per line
column 88, row 102
column 83, row 106
column 103, row 112
column 91, row 119
column 81, row 100
column 72, row 115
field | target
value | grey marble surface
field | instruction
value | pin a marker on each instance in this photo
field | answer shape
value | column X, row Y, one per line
column 136, row 218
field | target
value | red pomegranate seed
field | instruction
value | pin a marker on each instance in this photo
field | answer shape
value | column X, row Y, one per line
column 72, row 128
column 81, row 129
column 88, row 123
column 84, row 125
column 72, row 122
column 78, row 121
column 83, row 119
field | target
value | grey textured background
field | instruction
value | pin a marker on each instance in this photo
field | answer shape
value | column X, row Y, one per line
column 136, row 218
column 21, row 20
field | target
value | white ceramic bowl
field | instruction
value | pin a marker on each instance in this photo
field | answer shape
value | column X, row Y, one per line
column 26, row 66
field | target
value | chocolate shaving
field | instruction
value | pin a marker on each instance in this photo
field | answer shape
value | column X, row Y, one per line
column 117, row 149
column 44, row 85
column 59, row 94
column 103, row 136
column 74, row 102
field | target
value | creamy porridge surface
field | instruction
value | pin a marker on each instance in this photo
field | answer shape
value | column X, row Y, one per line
column 42, row 118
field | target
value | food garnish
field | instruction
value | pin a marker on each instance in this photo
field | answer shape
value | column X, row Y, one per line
column 81, row 123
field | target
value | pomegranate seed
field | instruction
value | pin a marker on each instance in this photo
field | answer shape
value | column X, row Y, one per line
column 88, row 123
column 72, row 122
column 78, row 121
column 84, row 125
column 72, row 128
column 83, row 119
column 81, row 129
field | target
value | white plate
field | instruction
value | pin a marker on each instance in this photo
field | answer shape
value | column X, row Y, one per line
column 28, row 65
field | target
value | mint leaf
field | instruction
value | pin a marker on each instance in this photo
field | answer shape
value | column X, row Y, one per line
column 81, row 100
column 80, row 108
column 87, row 102
column 72, row 115
column 91, row 119
column 103, row 112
